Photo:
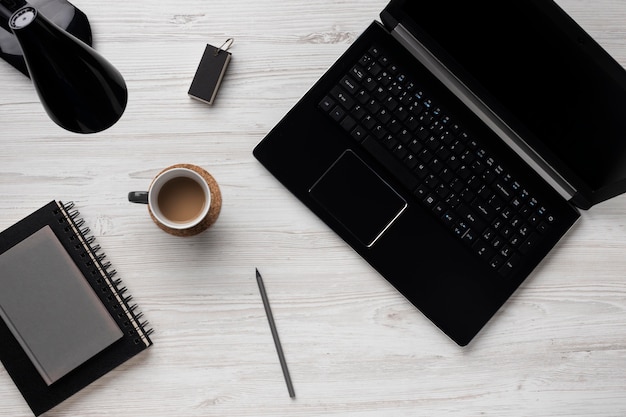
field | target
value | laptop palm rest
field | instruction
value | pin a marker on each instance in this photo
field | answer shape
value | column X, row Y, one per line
column 357, row 198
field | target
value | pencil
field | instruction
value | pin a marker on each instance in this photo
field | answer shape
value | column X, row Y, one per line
column 279, row 349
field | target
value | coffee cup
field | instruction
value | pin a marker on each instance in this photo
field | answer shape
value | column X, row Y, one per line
column 182, row 199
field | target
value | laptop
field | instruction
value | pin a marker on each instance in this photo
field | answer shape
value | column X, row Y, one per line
column 453, row 145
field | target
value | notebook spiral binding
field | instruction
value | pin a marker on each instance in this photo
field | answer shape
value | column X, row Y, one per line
column 103, row 276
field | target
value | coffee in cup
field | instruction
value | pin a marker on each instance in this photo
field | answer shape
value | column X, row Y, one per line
column 182, row 199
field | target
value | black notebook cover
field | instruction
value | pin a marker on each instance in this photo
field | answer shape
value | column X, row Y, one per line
column 64, row 319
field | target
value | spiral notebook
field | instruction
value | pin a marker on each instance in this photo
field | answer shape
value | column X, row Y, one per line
column 64, row 319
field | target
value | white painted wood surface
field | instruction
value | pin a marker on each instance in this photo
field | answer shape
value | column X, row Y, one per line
column 354, row 346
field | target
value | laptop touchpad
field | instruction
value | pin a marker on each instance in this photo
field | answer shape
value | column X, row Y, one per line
column 358, row 198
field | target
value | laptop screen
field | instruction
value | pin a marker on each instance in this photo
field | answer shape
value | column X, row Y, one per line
column 543, row 75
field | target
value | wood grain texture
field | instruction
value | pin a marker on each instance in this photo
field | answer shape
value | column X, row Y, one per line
column 354, row 346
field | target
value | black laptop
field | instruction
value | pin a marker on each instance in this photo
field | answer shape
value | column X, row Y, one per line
column 452, row 145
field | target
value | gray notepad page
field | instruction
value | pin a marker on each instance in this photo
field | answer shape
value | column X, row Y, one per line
column 50, row 307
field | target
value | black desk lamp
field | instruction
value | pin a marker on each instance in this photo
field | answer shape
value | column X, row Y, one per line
column 79, row 89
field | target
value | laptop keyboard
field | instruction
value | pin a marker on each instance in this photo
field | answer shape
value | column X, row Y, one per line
column 444, row 167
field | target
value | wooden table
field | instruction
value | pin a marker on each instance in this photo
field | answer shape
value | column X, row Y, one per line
column 353, row 344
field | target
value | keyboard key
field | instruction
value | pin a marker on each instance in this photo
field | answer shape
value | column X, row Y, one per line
column 506, row 231
column 422, row 133
column 497, row 223
column 374, row 68
column 383, row 116
column 401, row 113
column 327, row 104
column 425, row 155
column 442, row 190
column 337, row 113
column 542, row 227
column 394, row 126
column 357, row 72
column 436, row 165
column 449, row 219
column 391, row 103
column 404, row 136
column 506, row 251
column 400, row 151
column 503, row 191
column 498, row 242
column 447, row 176
column 496, row 262
column 362, row 97
column 509, row 265
column 483, row 249
column 349, row 84
column 453, row 162
column 358, row 112
column 524, row 230
column 421, row 170
column 516, row 240
column 464, row 172
column 507, row 213
column 460, row 229
column 373, row 106
column 389, row 141
column 431, row 181
column 368, row 122
column 359, row 133
column 430, row 200
column 375, row 51
column 529, row 243
column 365, row 60
column 467, row 195
column 369, row 83
column 380, row 93
column 453, row 200
column 410, row 161
column 533, row 219
column 489, row 234
column 469, row 237
column 440, row 208
column 496, row 203
column 342, row 98
column 379, row 132
column 421, row 192
column 348, row 124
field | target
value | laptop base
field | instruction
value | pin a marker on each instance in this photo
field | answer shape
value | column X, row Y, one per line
column 315, row 158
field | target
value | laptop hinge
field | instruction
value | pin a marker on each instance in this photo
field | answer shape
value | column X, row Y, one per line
column 512, row 139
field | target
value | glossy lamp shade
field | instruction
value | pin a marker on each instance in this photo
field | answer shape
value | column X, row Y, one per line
column 79, row 89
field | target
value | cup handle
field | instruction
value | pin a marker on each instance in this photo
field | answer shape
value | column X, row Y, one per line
column 138, row 197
